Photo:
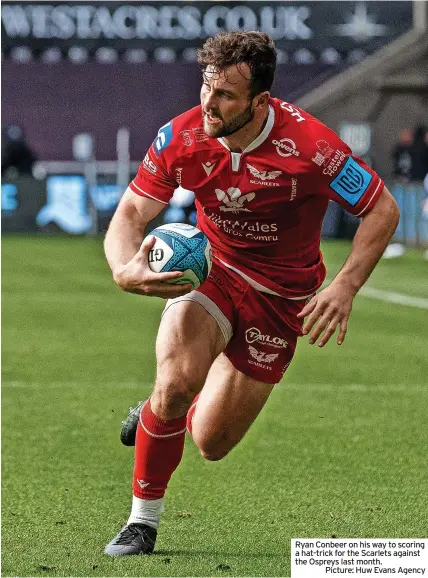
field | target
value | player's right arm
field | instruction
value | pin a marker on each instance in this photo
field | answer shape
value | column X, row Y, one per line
column 147, row 194
column 127, row 253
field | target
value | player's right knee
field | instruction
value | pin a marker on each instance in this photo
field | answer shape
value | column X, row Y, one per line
column 173, row 395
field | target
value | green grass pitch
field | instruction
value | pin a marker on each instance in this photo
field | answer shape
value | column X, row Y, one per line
column 339, row 450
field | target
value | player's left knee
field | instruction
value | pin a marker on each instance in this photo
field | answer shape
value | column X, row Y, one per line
column 214, row 455
column 213, row 448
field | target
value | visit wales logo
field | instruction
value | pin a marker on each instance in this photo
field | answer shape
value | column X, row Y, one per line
column 233, row 200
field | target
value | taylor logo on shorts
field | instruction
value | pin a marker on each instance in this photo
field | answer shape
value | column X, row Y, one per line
column 254, row 335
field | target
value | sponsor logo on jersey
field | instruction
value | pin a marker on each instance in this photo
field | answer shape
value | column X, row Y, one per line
column 324, row 153
column 261, row 355
column 179, row 174
column 286, row 147
column 233, row 199
column 293, row 111
column 293, row 188
column 318, row 159
column 208, row 167
column 265, row 178
column 324, row 148
column 253, row 231
column 196, row 134
column 335, row 163
column 149, row 165
column 351, row 182
column 186, row 136
column 164, row 137
column 199, row 134
column 254, row 335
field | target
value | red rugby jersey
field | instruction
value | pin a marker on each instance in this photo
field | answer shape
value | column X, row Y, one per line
column 262, row 209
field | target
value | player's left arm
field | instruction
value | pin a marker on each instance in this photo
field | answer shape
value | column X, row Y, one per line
column 342, row 177
column 332, row 306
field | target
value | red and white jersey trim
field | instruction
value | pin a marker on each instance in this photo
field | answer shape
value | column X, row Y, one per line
column 262, row 136
column 371, row 198
column 259, row 286
column 147, row 194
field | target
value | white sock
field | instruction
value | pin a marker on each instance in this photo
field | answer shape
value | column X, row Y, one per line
column 146, row 512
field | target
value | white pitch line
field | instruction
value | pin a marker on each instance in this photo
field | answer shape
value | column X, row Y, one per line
column 357, row 387
column 388, row 296
column 63, row 384
column 391, row 297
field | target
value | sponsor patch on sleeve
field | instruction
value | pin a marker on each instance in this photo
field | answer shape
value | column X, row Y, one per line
column 164, row 138
column 351, row 182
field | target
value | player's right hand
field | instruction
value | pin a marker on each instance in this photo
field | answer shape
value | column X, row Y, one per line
column 137, row 277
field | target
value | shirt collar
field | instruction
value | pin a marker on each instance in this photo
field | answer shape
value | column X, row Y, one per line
column 262, row 136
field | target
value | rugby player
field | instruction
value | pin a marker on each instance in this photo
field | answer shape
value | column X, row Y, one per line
column 263, row 172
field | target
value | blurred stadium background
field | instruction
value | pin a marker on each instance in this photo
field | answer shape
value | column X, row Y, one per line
column 85, row 87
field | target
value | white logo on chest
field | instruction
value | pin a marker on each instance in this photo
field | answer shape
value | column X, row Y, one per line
column 208, row 167
column 263, row 175
column 287, row 145
column 234, row 200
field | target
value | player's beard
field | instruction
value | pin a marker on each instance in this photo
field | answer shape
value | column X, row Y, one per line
column 228, row 128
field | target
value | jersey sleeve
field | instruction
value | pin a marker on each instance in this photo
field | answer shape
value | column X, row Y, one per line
column 342, row 176
column 153, row 179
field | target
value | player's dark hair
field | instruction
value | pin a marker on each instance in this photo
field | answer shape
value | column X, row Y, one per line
column 255, row 48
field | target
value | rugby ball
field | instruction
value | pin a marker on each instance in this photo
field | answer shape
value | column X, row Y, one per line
column 181, row 247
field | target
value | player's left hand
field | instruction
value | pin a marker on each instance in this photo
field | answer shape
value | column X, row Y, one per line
column 328, row 309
